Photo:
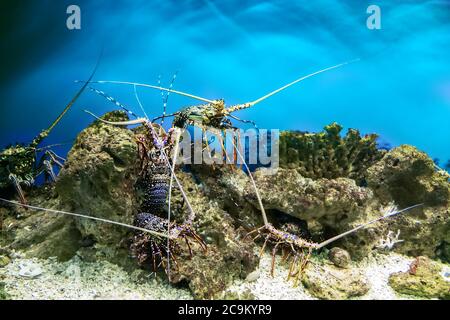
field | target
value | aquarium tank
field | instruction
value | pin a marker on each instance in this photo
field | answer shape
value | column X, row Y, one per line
column 225, row 150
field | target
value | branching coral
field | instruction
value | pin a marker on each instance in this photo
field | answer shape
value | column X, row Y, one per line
column 328, row 155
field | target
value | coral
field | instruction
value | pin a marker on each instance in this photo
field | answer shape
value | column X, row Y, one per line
column 424, row 279
column 332, row 283
column 327, row 155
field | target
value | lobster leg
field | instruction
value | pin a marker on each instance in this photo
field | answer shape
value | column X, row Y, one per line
column 274, row 252
column 16, row 183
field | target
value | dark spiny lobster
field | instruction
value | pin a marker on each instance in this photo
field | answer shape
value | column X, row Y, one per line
column 156, row 172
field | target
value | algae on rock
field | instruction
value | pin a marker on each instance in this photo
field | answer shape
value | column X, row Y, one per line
column 3, row 294
column 41, row 234
column 408, row 176
column 424, row 279
column 332, row 283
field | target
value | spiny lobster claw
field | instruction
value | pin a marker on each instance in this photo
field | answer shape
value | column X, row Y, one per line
column 145, row 247
column 185, row 231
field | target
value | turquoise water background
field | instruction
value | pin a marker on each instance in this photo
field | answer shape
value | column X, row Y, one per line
column 239, row 51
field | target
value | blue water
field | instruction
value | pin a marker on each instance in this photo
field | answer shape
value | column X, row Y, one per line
column 236, row 50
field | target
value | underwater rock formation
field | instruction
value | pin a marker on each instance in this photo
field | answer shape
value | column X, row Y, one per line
column 98, row 179
column 407, row 176
column 327, row 155
column 228, row 256
column 340, row 257
column 424, row 278
column 40, row 234
column 324, row 200
column 326, row 185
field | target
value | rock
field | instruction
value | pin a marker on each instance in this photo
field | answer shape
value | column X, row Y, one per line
column 28, row 269
column 238, row 295
column 340, row 257
column 425, row 278
column 98, row 179
column 41, row 234
column 253, row 276
column 331, row 283
column 406, row 177
column 228, row 257
column 325, row 200
column 4, row 261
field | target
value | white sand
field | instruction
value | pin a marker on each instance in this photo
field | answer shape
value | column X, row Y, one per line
column 76, row 279
column 377, row 269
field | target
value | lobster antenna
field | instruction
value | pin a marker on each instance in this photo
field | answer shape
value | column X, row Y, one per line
column 113, row 100
column 54, row 145
column 139, row 102
column 251, row 104
column 45, row 132
column 118, row 123
column 167, row 95
column 177, row 137
column 258, row 196
column 326, row 242
column 155, row 233
column 155, row 87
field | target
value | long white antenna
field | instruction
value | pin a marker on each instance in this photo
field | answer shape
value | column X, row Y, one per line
column 155, row 87
column 252, row 103
column 158, row 234
column 326, row 242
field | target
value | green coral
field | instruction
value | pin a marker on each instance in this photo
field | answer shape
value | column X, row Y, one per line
column 328, row 155
column 424, row 279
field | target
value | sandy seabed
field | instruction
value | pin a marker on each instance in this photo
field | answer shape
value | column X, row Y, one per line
column 75, row 279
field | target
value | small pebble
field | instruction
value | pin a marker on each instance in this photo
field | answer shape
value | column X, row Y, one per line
column 339, row 257
column 29, row 270
column 253, row 276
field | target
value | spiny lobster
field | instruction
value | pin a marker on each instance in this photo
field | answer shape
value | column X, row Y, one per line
column 156, row 179
column 19, row 165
